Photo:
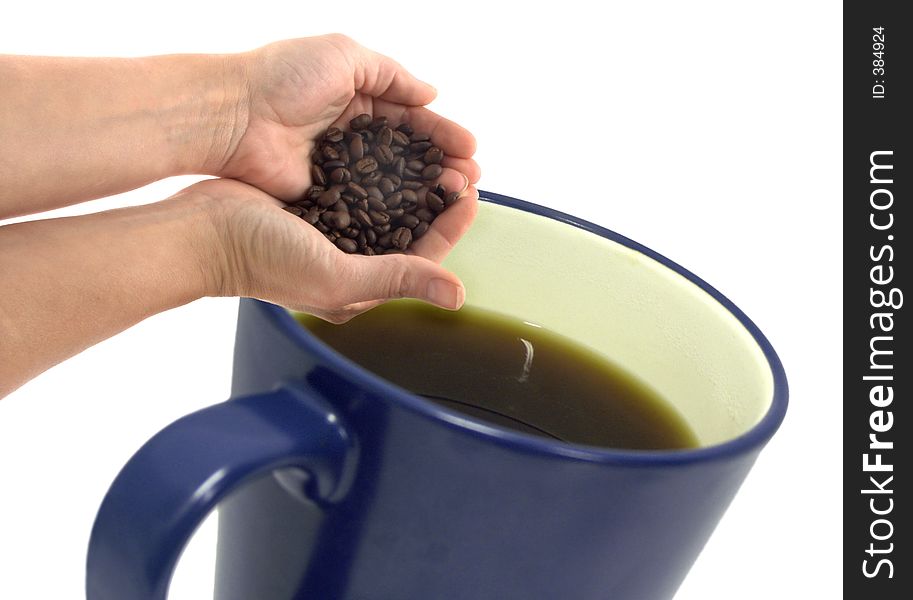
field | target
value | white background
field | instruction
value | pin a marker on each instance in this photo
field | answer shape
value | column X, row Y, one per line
column 709, row 131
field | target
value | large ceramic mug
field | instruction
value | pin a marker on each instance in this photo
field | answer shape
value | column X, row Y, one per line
column 334, row 484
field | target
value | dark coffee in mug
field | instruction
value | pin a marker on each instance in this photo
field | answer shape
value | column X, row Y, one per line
column 508, row 372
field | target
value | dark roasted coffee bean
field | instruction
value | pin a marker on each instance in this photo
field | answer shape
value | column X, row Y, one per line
column 419, row 146
column 396, row 213
column 451, row 198
column 366, row 165
column 382, row 229
column 433, row 155
column 410, row 174
column 370, row 237
column 293, row 209
column 393, row 200
column 368, row 136
column 411, row 185
column 344, row 156
column 372, row 178
column 384, row 154
column 439, row 190
column 415, row 165
column 386, row 186
column 356, row 190
column 356, row 148
column 405, row 128
column 362, row 217
column 333, row 134
column 377, row 123
column 312, row 216
column 396, row 179
column 368, row 251
column 431, row 172
column 332, row 164
column 397, row 150
column 340, row 206
column 420, row 230
column 435, row 202
column 400, row 138
column 318, row 176
column 360, row 122
column 314, row 191
column 350, row 232
column 379, row 217
column 347, row 245
column 336, row 219
column 328, row 198
column 374, row 192
column 424, row 214
column 398, row 165
column 402, row 237
column 409, row 221
column 376, row 204
column 330, row 153
column 361, row 238
column 304, row 204
column 331, row 235
column 348, row 198
column 419, row 137
column 385, row 136
column 362, row 204
column 341, row 175
column 321, row 227
column 385, row 241
column 410, row 196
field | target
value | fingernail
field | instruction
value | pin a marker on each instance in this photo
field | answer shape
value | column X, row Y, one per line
column 465, row 183
column 445, row 294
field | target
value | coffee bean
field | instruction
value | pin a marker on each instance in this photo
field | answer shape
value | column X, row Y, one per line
column 333, row 134
column 304, row 204
column 411, row 185
column 400, row 139
column 374, row 192
column 360, row 122
column 330, row 153
column 399, row 165
column 410, row 196
column 382, row 229
column 396, row 213
column 439, row 190
column 367, row 135
column 435, row 202
column 420, row 230
column 431, row 172
column 385, row 136
column 362, row 204
column 314, row 191
column 340, row 206
column 377, row 123
column 318, row 176
column 433, row 155
column 376, row 204
column 321, row 227
column 362, row 217
column 328, row 198
column 379, row 217
column 415, row 165
column 419, row 146
column 386, row 186
column 347, row 245
column 424, row 214
column 419, row 137
column 451, row 198
column 293, row 209
column 372, row 178
column 411, row 174
column 402, row 237
column 356, row 190
column 332, row 164
column 409, row 221
column 356, row 148
column 361, row 238
column 366, row 165
column 393, row 200
column 405, row 128
column 312, row 216
column 385, row 241
column 396, row 179
column 341, row 175
column 336, row 219
column 368, row 251
column 344, row 156
column 384, row 154
column 350, row 232
column 370, row 237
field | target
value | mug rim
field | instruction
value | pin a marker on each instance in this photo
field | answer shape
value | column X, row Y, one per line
column 756, row 436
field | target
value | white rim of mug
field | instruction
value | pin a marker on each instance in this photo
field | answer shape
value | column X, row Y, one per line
column 755, row 437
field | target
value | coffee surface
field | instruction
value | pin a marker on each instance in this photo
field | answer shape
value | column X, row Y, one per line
column 507, row 372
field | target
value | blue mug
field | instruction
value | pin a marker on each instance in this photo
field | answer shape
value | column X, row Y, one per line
column 334, row 484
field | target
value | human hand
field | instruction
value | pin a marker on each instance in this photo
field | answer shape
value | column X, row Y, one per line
column 265, row 252
column 295, row 89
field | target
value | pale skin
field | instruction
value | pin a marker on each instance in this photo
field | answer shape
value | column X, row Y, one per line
column 77, row 129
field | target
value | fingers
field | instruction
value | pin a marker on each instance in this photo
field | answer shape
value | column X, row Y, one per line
column 371, row 278
column 448, row 227
column 453, row 139
column 382, row 77
column 467, row 166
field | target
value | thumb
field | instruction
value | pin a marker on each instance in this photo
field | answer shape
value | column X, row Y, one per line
column 401, row 276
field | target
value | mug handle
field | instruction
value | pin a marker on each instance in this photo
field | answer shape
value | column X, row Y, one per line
column 168, row 487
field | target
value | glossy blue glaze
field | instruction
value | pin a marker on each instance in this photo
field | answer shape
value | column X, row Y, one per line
column 393, row 498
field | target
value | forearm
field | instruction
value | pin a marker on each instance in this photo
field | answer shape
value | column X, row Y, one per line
column 72, row 129
column 70, row 283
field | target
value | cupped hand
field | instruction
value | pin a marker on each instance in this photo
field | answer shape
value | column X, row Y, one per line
column 295, row 90
column 264, row 252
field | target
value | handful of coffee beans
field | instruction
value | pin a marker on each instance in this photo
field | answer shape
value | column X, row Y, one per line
column 375, row 187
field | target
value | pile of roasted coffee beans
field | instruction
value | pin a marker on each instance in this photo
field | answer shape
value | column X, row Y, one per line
column 375, row 187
